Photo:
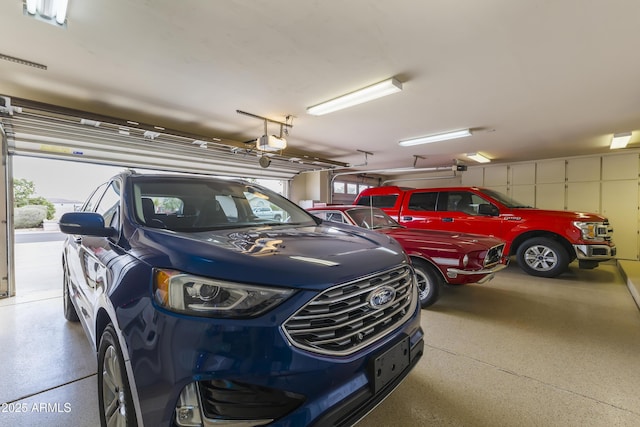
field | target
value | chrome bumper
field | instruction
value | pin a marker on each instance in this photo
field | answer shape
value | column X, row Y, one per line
column 452, row 273
column 595, row 252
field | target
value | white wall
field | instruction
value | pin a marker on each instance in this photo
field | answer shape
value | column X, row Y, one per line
column 310, row 186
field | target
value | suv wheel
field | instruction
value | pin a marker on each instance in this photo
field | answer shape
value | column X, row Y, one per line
column 114, row 395
column 429, row 282
column 70, row 312
column 542, row 257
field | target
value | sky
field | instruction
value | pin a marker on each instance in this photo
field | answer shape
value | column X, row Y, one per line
column 63, row 179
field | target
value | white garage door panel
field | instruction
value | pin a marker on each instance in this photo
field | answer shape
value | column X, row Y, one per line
column 107, row 146
column 65, row 134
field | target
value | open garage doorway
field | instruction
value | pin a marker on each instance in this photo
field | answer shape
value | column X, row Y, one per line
column 38, row 247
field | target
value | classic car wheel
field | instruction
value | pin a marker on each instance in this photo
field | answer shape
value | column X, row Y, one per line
column 70, row 312
column 542, row 257
column 114, row 395
column 429, row 282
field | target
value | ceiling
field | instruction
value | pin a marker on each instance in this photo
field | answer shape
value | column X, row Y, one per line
column 533, row 79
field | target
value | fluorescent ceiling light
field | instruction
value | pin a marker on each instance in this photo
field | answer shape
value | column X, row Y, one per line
column 620, row 140
column 478, row 157
column 434, row 138
column 51, row 11
column 360, row 96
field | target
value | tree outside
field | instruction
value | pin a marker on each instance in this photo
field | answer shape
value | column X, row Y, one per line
column 30, row 210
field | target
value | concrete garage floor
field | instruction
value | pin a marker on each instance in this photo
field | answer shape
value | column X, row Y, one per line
column 518, row 351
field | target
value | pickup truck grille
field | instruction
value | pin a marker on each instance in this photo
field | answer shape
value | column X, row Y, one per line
column 604, row 231
column 494, row 255
column 343, row 319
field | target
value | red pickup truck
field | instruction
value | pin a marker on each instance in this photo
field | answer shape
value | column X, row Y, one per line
column 544, row 241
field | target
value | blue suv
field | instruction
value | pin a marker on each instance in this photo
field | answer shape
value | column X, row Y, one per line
column 203, row 313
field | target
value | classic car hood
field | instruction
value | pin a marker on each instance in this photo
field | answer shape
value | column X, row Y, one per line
column 442, row 239
column 278, row 255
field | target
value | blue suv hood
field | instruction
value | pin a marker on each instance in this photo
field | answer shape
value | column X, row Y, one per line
column 323, row 255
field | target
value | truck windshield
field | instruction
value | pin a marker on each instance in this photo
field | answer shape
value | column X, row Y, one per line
column 504, row 199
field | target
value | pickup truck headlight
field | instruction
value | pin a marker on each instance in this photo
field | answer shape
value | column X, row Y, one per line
column 592, row 230
column 202, row 296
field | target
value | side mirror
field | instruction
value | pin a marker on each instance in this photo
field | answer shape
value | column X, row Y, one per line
column 488, row 209
column 85, row 224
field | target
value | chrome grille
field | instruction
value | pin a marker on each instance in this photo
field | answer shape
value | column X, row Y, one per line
column 341, row 320
column 604, row 231
column 494, row 255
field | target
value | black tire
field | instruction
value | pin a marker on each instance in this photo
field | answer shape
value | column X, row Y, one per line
column 429, row 282
column 69, row 309
column 114, row 394
column 542, row 257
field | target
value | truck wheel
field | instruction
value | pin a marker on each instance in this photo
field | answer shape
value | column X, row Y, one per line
column 542, row 257
column 429, row 282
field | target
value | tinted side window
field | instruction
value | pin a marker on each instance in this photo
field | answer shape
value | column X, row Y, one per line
column 387, row 201
column 460, row 201
column 109, row 205
column 423, row 201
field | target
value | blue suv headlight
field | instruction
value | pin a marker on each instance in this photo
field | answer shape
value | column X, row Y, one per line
column 202, row 296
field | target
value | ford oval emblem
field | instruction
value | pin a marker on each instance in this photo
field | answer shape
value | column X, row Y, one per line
column 382, row 297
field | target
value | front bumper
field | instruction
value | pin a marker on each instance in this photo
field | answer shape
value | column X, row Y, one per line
column 601, row 252
column 175, row 351
column 482, row 276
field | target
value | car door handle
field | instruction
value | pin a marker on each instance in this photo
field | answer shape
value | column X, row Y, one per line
column 447, row 219
column 407, row 218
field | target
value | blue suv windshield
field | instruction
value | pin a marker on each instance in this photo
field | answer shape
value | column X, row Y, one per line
column 186, row 204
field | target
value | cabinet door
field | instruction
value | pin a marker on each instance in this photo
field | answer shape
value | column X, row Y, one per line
column 550, row 171
column 583, row 169
column 620, row 166
column 473, row 177
column 495, row 176
column 550, row 196
column 583, row 196
column 525, row 194
column 620, row 206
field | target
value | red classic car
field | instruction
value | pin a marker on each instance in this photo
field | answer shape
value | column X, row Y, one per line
column 437, row 256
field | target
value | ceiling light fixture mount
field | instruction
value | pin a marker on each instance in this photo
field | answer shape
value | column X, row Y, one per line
column 478, row 157
column 360, row 96
column 435, row 138
column 620, row 140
